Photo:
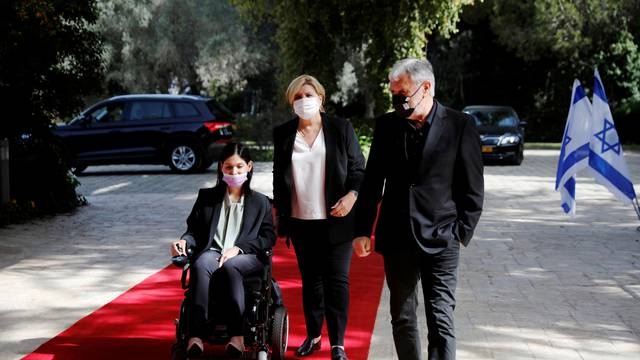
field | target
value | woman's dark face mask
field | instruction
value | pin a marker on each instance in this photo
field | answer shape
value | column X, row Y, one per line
column 401, row 104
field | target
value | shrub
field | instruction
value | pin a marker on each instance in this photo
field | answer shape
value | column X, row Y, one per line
column 40, row 180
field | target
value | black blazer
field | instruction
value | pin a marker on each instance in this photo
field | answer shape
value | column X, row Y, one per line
column 344, row 172
column 441, row 204
column 257, row 221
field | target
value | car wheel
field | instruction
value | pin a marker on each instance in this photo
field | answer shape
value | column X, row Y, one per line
column 517, row 159
column 185, row 158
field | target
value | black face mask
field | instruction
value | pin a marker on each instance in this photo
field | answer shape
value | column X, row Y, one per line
column 401, row 104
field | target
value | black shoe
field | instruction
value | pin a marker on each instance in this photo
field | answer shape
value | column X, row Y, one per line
column 308, row 347
column 337, row 353
column 233, row 352
column 195, row 350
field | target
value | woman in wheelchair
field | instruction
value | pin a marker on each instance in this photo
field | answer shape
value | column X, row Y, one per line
column 228, row 226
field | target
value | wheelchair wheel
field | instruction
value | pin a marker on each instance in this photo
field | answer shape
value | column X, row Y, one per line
column 178, row 352
column 182, row 325
column 279, row 333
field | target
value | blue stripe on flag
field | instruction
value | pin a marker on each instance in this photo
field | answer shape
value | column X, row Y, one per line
column 599, row 90
column 579, row 94
column 566, row 208
column 573, row 158
column 610, row 173
column 570, row 185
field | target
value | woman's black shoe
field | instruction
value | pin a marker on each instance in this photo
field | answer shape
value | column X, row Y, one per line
column 337, row 353
column 195, row 350
column 308, row 347
column 233, row 352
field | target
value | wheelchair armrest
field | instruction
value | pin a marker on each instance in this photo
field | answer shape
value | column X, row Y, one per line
column 179, row 260
column 265, row 255
column 182, row 260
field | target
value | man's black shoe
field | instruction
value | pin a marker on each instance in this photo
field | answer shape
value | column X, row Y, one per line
column 337, row 353
column 308, row 347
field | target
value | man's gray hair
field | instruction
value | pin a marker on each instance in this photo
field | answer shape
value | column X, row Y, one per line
column 419, row 70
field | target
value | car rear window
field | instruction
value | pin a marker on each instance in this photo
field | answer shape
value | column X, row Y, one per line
column 185, row 110
column 142, row 110
column 218, row 109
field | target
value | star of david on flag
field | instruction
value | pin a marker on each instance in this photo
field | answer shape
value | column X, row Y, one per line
column 602, row 136
column 606, row 158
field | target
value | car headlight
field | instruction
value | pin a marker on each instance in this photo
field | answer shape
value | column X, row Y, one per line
column 509, row 139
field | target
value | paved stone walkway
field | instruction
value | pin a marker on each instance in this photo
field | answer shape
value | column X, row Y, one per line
column 534, row 283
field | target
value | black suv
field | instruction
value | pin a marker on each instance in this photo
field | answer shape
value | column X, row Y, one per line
column 183, row 131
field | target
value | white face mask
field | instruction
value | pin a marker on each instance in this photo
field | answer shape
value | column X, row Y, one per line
column 307, row 107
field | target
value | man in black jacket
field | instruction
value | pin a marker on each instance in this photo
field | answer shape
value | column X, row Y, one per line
column 425, row 167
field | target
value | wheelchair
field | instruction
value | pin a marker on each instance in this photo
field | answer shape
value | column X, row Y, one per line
column 266, row 321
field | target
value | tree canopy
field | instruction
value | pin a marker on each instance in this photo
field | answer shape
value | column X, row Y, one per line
column 49, row 58
column 154, row 45
column 359, row 40
column 519, row 53
column 526, row 54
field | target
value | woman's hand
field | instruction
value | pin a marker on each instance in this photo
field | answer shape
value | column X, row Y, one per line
column 233, row 252
column 179, row 247
column 362, row 246
column 344, row 205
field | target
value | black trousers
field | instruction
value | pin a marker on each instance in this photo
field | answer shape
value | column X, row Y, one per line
column 438, row 273
column 224, row 285
column 324, row 268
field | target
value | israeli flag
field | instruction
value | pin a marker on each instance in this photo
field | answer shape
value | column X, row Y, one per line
column 606, row 159
column 574, row 153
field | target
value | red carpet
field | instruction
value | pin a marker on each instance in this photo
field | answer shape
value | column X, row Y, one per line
column 139, row 323
column 366, row 279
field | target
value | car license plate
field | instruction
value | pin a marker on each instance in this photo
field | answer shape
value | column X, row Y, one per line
column 487, row 149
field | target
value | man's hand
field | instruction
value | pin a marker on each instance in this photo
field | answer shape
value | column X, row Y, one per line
column 344, row 205
column 179, row 247
column 233, row 252
column 362, row 246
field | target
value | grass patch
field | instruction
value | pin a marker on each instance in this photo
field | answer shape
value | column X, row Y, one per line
column 556, row 146
column 541, row 146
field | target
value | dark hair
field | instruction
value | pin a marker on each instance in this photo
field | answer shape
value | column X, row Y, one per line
column 228, row 151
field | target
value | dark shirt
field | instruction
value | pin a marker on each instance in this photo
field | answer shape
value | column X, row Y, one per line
column 415, row 139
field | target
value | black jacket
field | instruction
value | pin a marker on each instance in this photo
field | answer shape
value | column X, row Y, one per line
column 441, row 203
column 256, row 233
column 344, row 172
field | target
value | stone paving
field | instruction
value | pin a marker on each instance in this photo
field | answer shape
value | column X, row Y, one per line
column 533, row 284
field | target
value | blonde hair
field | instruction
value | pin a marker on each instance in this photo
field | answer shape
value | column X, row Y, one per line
column 302, row 80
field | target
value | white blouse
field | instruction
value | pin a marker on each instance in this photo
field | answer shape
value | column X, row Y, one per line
column 308, row 170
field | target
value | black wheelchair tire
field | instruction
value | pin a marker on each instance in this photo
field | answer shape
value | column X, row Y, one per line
column 182, row 325
column 178, row 352
column 279, row 333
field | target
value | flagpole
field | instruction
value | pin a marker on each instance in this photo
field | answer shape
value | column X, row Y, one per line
column 636, row 207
